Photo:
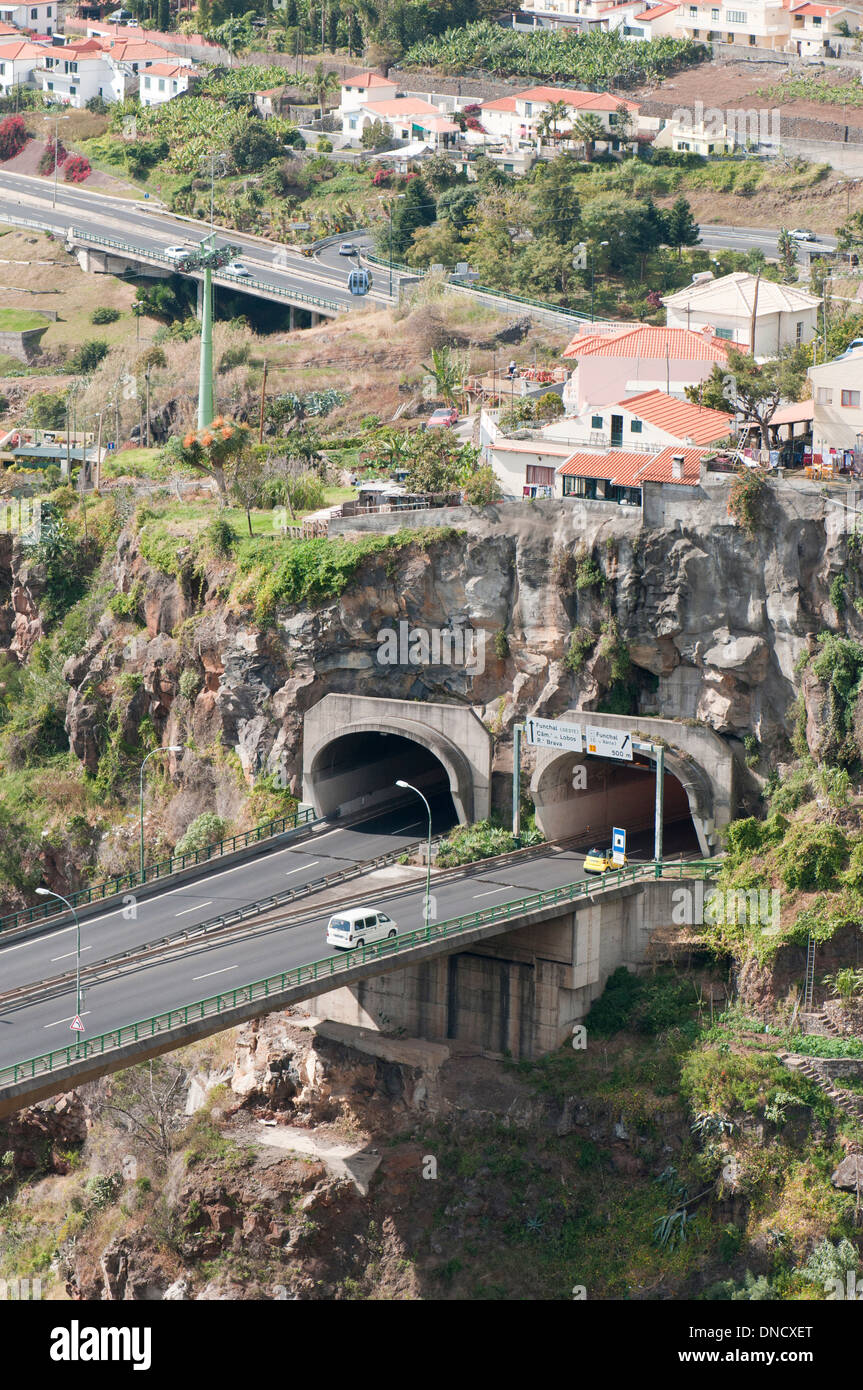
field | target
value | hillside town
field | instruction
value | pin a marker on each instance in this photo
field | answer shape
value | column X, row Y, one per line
column 431, row 666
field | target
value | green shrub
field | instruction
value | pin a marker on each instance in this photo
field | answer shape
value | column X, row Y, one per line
column 468, row 843
column 220, row 536
column 812, row 856
column 87, row 357
column 104, row 314
column 581, row 642
column 206, row 829
column 189, row 684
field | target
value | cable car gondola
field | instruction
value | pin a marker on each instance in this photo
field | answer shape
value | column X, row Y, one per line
column 359, row 282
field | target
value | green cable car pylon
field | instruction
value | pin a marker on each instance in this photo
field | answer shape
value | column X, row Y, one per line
column 207, row 257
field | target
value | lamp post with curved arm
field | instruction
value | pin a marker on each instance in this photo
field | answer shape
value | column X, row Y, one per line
column 48, row 893
column 408, row 787
column 174, row 748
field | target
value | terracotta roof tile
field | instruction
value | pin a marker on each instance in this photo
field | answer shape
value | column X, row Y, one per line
column 644, row 341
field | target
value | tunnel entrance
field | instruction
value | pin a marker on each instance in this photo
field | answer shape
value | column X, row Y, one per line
column 359, row 771
column 585, row 796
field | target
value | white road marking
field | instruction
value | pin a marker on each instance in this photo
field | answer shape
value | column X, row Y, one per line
column 208, row 903
column 71, row 953
column 409, row 826
column 215, row 972
column 58, row 1021
column 506, row 889
column 301, row 867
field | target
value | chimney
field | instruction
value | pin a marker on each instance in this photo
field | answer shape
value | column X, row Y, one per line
column 677, row 461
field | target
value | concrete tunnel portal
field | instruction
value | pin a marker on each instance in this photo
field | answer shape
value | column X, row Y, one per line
column 359, row 770
column 356, row 747
column 586, row 796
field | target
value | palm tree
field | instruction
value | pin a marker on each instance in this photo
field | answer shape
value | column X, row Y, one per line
column 558, row 112
column 589, row 129
column 447, row 369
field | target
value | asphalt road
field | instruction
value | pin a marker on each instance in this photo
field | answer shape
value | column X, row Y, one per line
column 754, row 239
column 212, row 967
column 172, row 911
column 152, row 229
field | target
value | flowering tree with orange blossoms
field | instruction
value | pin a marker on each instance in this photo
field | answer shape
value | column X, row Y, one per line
column 214, row 449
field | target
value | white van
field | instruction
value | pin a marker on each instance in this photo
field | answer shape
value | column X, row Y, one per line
column 358, row 926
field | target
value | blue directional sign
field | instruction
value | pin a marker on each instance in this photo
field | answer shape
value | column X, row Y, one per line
column 618, row 845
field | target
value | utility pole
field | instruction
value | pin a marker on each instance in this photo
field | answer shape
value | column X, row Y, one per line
column 99, row 454
column 263, row 399
column 147, row 394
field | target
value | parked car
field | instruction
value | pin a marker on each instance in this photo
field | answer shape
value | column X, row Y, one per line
column 803, row 234
column 357, row 926
column 599, row 861
column 347, row 248
column 443, row 417
column 854, row 346
column 238, row 268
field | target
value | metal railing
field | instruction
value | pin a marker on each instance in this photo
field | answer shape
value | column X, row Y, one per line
column 332, row 966
column 240, row 282
column 97, row 892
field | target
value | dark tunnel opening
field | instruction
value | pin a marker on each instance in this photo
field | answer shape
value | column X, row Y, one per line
column 357, row 772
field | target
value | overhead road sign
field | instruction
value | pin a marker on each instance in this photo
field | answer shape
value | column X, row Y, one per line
column 555, row 733
column 608, row 743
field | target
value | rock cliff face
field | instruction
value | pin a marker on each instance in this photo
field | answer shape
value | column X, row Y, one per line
column 21, row 586
column 712, row 622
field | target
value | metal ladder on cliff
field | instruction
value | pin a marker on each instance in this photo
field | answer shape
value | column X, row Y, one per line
column 809, row 987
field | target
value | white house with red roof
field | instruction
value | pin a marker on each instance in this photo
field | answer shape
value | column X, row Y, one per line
column 161, row 82
column 38, row 18
column 622, row 477
column 363, row 87
column 609, row 366
column 815, row 28
column 519, row 119
column 18, row 61
column 407, row 117
column 648, row 422
column 73, row 73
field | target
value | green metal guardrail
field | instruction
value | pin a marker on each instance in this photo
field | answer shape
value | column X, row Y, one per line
column 574, row 314
column 97, row 892
column 419, row 272
column 241, row 282
column 331, row 966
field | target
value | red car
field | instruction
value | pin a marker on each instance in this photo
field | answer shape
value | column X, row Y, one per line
column 447, row 415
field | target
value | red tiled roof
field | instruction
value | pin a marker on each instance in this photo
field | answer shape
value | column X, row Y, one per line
column 502, row 104
column 171, row 70
column 573, row 96
column 368, row 79
column 679, row 344
column 822, row 11
column 627, row 469
column 10, row 52
column 402, row 106
column 657, row 11
column 683, row 419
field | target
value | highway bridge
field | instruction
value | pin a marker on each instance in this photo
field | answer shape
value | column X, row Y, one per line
column 513, row 952
column 112, row 234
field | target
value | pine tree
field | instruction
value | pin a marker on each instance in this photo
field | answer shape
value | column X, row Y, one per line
column 682, row 227
column 163, row 16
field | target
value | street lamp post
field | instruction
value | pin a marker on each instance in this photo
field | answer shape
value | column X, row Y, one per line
column 174, row 748
column 408, row 787
column 593, row 277
column 47, row 893
column 57, row 119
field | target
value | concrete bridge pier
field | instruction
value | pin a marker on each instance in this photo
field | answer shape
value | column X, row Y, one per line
column 521, row 992
column 107, row 263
